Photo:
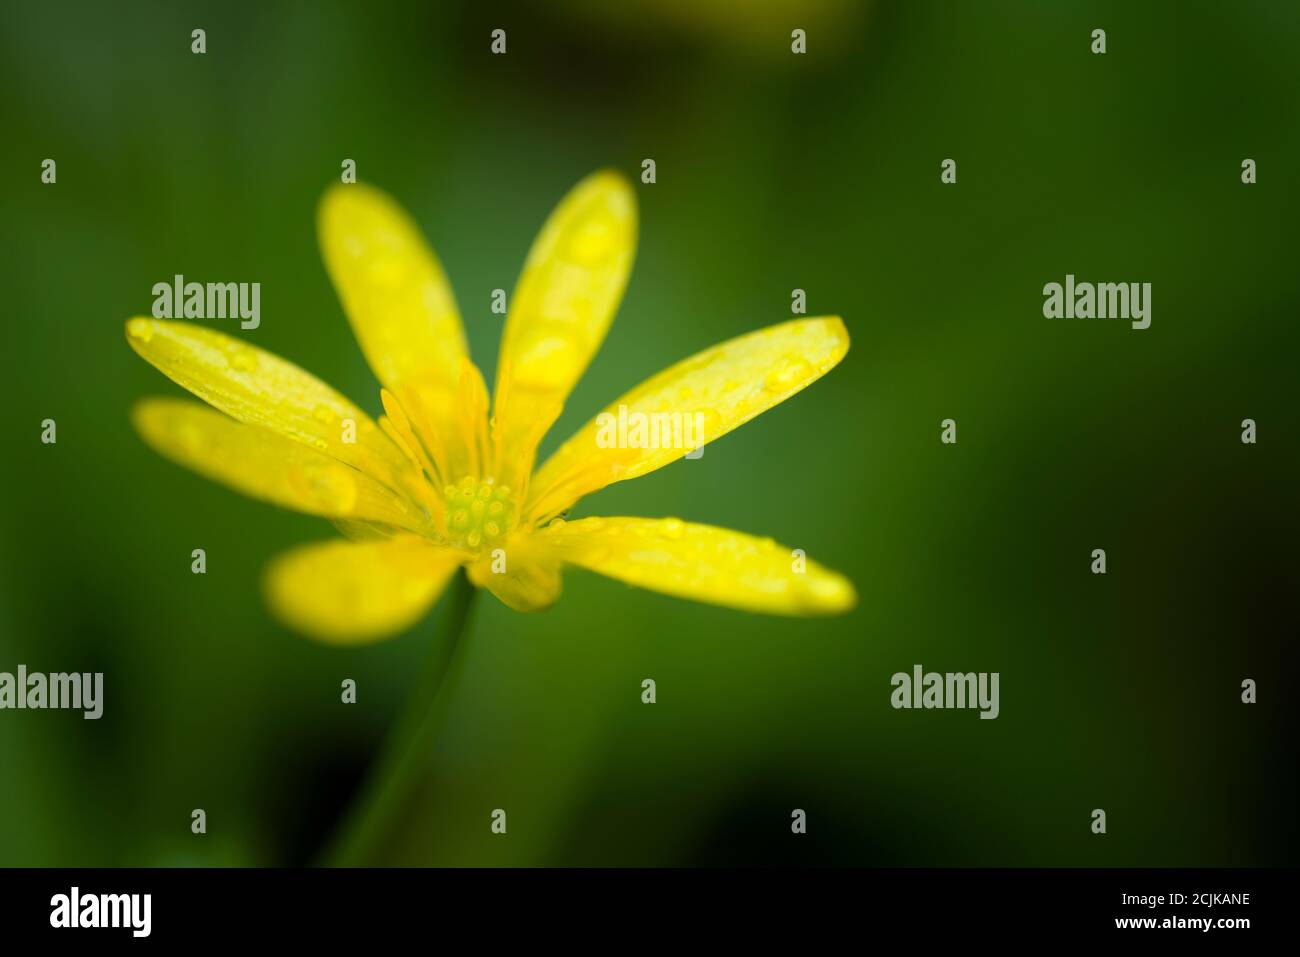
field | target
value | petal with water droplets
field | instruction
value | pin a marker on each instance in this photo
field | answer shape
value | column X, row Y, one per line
column 562, row 307
column 257, row 387
column 265, row 465
column 392, row 286
column 700, row 562
column 712, row 392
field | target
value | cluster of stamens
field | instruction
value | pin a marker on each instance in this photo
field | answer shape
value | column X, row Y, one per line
column 478, row 512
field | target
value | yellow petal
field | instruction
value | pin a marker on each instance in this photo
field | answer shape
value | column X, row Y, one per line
column 701, row 562
column 259, row 388
column 522, row 575
column 267, row 466
column 712, row 392
column 254, row 386
column 350, row 593
column 402, row 310
column 392, row 287
column 566, row 297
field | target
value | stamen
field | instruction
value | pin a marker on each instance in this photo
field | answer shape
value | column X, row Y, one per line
column 481, row 512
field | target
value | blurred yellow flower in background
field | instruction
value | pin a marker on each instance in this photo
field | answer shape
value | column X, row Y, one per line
column 436, row 483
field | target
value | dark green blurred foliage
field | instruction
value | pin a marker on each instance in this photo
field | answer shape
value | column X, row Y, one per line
column 774, row 172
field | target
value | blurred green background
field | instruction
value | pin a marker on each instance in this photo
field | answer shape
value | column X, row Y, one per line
column 775, row 171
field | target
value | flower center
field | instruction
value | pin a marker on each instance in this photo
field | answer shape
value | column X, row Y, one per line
column 479, row 512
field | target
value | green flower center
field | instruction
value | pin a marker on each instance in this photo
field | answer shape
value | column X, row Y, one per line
column 479, row 512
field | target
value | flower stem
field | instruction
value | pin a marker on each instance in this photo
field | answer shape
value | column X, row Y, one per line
column 410, row 743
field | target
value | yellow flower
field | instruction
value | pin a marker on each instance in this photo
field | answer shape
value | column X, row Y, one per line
column 435, row 483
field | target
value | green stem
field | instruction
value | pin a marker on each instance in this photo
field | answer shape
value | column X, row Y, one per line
column 410, row 743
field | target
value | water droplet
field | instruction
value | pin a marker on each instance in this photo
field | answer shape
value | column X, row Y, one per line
column 549, row 361
column 592, row 242
column 787, row 374
column 331, row 489
column 140, row 330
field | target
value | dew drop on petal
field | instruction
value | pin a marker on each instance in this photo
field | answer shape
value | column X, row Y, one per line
column 787, row 374
column 140, row 329
column 332, row 489
column 549, row 361
column 591, row 243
